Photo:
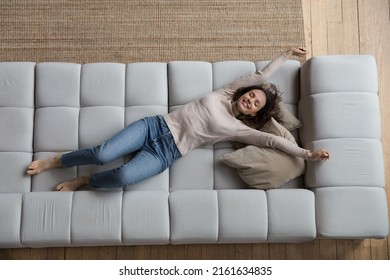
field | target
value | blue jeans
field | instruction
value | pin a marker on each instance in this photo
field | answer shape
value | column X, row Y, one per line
column 150, row 137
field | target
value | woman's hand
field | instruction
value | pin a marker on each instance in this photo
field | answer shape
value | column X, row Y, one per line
column 301, row 51
column 318, row 155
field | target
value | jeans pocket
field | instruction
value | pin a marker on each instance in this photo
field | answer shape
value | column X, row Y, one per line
column 175, row 153
column 165, row 150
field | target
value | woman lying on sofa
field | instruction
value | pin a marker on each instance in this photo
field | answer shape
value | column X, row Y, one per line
column 232, row 113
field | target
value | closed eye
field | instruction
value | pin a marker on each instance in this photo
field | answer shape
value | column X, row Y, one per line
column 253, row 95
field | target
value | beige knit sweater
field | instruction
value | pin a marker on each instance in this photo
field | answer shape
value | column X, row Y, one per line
column 210, row 119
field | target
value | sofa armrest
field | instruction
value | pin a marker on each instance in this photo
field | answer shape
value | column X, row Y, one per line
column 340, row 112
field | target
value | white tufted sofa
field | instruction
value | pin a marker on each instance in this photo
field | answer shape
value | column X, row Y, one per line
column 47, row 108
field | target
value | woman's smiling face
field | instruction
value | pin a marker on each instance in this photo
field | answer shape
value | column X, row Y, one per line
column 251, row 102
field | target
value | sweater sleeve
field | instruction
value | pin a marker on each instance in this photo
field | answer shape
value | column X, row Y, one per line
column 258, row 77
column 273, row 66
column 288, row 147
column 264, row 139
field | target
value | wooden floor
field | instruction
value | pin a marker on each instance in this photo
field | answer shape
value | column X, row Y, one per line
column 331, row 27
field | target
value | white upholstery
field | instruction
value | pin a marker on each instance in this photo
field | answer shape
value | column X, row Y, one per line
column 194, row 216
column 243, row 216
column 291, row 215
column 96, row 218
column 47, row 108
column 11, row 209
column 145, row 217
column 51, row 213
column 350, row 212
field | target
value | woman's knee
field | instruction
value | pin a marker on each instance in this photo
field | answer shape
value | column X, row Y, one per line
column 101, row 157
column 141, row 167
column 109, row 179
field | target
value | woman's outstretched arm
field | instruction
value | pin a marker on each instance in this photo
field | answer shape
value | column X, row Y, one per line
column 300, row 51
column 262, row 75
column 264, row 139
column 318, row 155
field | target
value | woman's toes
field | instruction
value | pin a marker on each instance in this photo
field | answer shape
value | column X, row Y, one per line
column 33, row 168
column 70, row 186
column 40, row 165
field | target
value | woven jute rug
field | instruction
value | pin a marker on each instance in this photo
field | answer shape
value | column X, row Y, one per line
column 124, row 31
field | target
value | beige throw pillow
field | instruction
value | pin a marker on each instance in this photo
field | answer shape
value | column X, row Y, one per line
column 288, row 120
column 266, row 168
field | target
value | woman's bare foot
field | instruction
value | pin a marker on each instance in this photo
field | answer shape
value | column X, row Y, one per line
column 38, row 166
column 73, row 185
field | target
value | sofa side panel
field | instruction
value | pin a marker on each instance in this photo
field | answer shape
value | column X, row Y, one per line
column 242, row 216
column 10, row 219
column 291, row 215
column 351, row 212
column 145, row 218
column 96, row 218
column 46, row 219
column 193, row 216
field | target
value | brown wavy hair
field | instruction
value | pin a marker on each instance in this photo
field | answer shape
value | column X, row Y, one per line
column 270, row 110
